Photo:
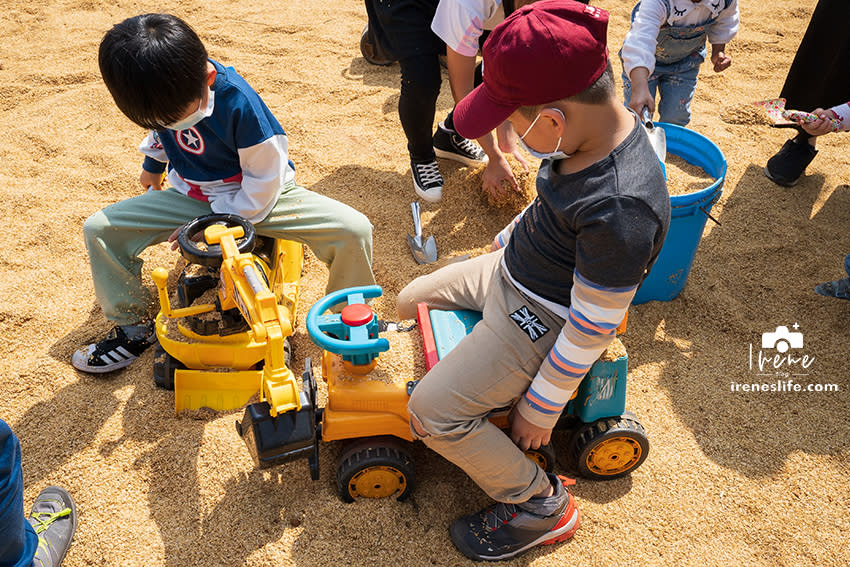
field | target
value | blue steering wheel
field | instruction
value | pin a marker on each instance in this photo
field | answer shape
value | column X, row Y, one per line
column 353, row 333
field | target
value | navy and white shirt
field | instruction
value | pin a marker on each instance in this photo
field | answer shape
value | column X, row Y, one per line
column 581, row 249
column 237, row 159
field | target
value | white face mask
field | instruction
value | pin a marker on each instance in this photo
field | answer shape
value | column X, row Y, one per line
column 196, row 116
column 557, row 154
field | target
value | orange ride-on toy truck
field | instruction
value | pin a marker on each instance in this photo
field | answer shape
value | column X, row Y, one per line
column 371, row 417
column 219, row 348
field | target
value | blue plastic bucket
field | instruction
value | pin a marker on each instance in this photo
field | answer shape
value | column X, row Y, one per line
column 688, row 214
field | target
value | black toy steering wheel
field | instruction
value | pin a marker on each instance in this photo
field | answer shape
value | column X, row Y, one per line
column 210, row 254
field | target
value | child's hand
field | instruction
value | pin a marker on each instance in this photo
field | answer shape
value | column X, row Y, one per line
column 525, row 434
column 721, row 61
column 151, row 181
column 823, row 125
column 507, row 139
column 173, row 238
column 496, row 171
column 640, row 91
column 719, row 58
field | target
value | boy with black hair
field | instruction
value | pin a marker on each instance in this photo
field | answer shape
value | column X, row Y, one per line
column 560, row 280
column 224, row 152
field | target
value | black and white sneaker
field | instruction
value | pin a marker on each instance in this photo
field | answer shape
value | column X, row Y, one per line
column 117, row 350
column 427, row 181
column 451, row 145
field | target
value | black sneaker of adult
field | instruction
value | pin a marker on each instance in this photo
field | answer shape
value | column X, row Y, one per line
column 427, row 181
column 789, row 163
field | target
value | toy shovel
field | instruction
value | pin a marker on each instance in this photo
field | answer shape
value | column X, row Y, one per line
column 657, row 137
column 423, row 252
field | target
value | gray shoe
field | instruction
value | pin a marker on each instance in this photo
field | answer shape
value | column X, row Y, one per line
column 507, row 530
column 54, row 519
column 839, row 289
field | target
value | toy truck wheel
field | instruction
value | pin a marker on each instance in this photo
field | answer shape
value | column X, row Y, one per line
column 544, row 456
column 609, row 448
column 377, row 467
column 164, row 366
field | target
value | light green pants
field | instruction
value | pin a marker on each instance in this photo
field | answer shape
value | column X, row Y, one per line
column 339, row 236
column 490, row 368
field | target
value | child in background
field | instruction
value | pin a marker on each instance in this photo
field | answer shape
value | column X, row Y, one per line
column 224, row 152
column 665, row 47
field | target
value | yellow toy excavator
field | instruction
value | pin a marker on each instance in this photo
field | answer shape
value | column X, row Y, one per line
column 220, row 352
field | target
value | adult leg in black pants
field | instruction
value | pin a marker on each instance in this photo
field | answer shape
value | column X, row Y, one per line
column 403, row 29
column 818, row 78
column 420, row 87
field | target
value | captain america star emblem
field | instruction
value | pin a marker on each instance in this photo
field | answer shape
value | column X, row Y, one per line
column 190, row 140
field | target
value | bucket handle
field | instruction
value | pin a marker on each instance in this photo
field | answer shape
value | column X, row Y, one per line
column 714, row 200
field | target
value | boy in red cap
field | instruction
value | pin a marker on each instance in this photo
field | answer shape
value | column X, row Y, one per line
column 560, row 277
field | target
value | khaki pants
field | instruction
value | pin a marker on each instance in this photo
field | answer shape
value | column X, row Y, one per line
column 490, row 368
column 339, row 236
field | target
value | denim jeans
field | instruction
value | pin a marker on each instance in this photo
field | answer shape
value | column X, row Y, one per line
column 676, row 84
column 18, row 541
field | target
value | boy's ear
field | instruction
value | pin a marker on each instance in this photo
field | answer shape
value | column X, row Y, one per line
column 558, row 122
column 211, row 75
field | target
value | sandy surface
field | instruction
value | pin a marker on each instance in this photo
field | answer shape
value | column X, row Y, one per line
column 733, row 478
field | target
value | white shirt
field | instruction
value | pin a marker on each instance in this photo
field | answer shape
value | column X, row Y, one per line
column 459, row 23
column 639, row 45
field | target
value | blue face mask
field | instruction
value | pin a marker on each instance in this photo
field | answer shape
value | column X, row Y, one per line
column 196, row 116
column 557, row 154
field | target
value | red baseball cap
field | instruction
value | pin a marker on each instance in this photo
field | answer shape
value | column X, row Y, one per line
column 543, row 52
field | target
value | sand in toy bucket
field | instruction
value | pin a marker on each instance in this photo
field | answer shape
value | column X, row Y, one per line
column 684, row 178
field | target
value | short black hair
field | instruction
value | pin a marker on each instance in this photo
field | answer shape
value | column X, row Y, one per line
column 599, row 92
column 154, row 65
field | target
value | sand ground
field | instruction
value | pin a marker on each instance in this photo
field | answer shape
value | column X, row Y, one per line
column 733, row 478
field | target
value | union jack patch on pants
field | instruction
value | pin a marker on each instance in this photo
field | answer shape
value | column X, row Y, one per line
column 529, row 323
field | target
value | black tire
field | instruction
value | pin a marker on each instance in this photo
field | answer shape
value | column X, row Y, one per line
column 164, row 366
column 375, row 467
column 544, row 457
column 609, row 448
column 371, row 51
column 190, row 249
